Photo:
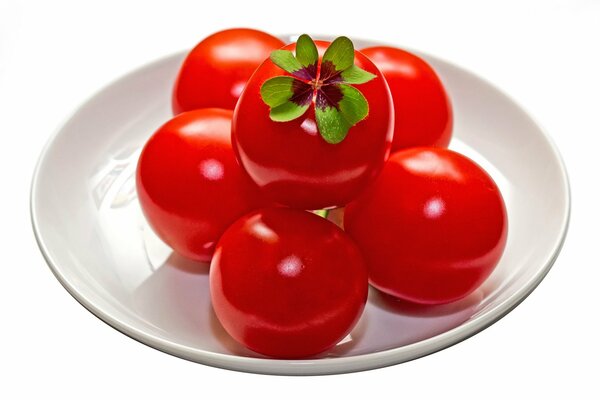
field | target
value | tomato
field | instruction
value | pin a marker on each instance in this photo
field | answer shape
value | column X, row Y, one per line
column 215, row 72
column 291, row 161
column 422, row 107
column 432, row 227
column 189, row 183
column 287, row 283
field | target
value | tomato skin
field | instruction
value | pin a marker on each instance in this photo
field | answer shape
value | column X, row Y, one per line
column 432, row 227
column 215, row 72
column 287, row 283
column 189, row 183
column 423, row 112
column 293, row 164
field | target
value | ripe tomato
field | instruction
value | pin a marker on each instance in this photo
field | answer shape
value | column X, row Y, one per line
column 215, row 72
column 292, row 162
column 189, row 183
column 422, row 108
column 432, row 227
column 287, row 283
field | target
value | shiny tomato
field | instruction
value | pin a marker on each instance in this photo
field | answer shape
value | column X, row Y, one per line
column 215, row 72
column 432, row 227
column 189, row 183
column 287, row 283
column 292, row 162
column 422, row 107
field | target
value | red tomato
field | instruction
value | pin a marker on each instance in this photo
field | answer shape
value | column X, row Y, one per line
column 215, row 72
column 432, row 228
column 287, row 283
column 189, row 183
column 293, row 164
column 422, row 107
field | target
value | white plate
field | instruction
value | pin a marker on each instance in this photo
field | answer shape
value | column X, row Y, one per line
column 91, row 231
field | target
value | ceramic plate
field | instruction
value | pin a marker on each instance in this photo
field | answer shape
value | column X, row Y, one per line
column 91, row 231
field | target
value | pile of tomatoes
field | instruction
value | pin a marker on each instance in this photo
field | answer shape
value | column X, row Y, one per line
column 227, row 182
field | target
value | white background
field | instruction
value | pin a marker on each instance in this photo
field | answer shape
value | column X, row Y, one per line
column 55, row 54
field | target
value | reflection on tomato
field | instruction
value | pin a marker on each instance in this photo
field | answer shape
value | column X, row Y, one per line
column 432, row 227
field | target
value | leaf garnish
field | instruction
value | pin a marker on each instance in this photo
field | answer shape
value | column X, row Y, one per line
column 338, row 106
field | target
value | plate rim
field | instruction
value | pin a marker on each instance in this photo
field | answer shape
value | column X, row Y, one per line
column 323, row 366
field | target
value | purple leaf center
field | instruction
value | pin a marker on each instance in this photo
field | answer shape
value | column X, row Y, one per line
column 329, row 96
column 329, row 74
column 302, row 93
column 306, row 73
column 321, row 84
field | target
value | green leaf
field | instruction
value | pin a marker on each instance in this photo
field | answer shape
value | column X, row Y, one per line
column 353, row 105
column 340, row 53
column 285, row 60
column 335, row 122
column 287, row 100
column 332, row 126
column 278, row 90
column 306, row 51
column 287, row 111
column 338, row 106
column 356, row 75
